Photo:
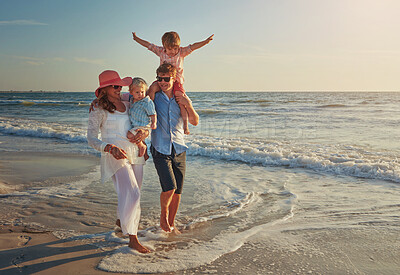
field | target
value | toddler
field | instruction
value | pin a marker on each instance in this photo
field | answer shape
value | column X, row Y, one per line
column 142, row 112
column 172, row 53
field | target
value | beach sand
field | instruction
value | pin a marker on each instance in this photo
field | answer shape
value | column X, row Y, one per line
column 19, row 170
column 286, row 248
column 23, row 251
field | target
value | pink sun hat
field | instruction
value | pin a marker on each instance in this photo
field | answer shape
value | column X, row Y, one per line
column 110, row 77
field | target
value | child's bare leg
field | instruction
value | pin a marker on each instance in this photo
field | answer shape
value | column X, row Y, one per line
column 153, row 89
column 185, row 118
column 142, row 148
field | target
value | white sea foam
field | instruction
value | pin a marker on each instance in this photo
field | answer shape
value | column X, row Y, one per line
column 32, row 128
column 335, row 159
column 193, row 255
column 61, row 190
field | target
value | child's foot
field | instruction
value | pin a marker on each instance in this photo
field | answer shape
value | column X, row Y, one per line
column 118, row 223
column 186, row 131
column 146, row 156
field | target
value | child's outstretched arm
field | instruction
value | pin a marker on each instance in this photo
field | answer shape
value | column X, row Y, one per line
column 142, row 42
column 200, row 44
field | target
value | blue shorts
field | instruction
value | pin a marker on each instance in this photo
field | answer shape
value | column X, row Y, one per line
column 170, row 169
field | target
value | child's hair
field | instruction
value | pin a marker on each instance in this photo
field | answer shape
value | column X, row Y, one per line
column 166, row 68
column 171, row 40
column 138, row 81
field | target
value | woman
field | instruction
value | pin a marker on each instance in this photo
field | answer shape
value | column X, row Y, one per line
column 119, row 157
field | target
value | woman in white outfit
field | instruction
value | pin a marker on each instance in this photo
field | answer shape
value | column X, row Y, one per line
column 119, row 156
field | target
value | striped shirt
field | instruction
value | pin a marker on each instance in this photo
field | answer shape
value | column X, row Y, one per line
column 176, row 61
column 140, row 111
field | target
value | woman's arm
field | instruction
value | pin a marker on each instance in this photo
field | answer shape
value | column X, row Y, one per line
column 96, row 118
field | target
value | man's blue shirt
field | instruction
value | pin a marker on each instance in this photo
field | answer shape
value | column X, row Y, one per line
column 169, row 126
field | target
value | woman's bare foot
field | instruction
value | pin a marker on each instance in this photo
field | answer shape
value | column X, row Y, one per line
column 135, row 244
column 164, row 223
column 118, row 223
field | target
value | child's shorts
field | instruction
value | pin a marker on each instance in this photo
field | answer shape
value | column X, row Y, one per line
column 178, row 87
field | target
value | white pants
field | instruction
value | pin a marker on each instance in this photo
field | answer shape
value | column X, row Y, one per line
column 127, row 183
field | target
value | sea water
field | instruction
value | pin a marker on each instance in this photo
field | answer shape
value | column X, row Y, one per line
column 255, row 161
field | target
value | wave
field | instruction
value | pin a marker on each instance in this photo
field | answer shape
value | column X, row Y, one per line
column 251, row 101
column 43, row 102
column 209, row 111
column 38, row 129
column 333, row 159
column 333, row 106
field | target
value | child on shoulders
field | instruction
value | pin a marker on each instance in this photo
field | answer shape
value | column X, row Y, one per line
column 172, row 53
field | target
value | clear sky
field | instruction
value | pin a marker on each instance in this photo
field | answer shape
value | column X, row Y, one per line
column 259, row 45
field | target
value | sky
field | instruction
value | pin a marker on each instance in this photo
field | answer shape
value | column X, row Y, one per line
column 259, row 45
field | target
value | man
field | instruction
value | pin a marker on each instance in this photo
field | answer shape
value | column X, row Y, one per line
column 168, row 146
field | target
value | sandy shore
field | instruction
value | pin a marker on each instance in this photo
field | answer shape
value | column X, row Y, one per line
column 19, row 170
column 289, row 248
column 23, row 251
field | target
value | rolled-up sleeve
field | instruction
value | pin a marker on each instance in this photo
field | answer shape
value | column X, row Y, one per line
column 185, row 51
column 155, row 49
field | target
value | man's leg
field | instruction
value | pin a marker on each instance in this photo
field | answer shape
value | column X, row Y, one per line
column 165, row 201
column 173, row 209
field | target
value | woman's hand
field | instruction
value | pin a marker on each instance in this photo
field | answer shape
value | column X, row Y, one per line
column 140, row 136
column 117, row 152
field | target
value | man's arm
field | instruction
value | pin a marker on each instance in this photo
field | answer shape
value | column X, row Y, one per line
column 200, row 44
column 193, row 117
column 142, row 42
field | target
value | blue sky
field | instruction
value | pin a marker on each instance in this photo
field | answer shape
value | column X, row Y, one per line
column 264, row 45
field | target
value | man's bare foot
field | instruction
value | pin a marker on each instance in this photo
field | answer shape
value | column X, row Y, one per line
column 142, row 149
column 118, row 223
column 175, row 230
column 135, row 244
column 164, row 223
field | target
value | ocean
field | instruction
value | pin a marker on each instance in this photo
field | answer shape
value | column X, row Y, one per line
column 257, row 162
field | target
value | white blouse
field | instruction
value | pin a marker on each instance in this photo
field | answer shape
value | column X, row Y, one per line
column 113, row 128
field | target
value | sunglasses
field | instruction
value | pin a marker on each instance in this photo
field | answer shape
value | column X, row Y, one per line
column 116, row 87
column 166, row 79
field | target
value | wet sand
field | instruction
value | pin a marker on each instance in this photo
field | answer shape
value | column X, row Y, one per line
column 19, row 170
column 287, row 248
column 339, row 251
